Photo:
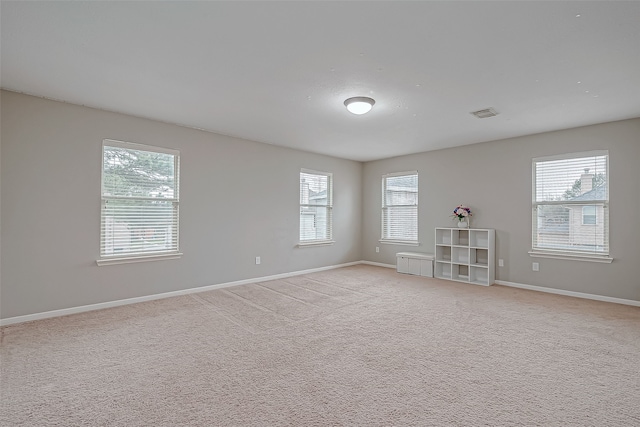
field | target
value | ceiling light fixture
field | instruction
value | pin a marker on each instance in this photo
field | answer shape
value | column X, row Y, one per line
column 359, row 104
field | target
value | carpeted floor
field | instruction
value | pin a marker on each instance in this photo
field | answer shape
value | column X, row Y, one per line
column 357, row 346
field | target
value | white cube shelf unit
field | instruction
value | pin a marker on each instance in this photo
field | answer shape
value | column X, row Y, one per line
column 466, row 255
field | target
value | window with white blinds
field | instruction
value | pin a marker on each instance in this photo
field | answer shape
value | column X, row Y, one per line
column 571, row 205
column 316, row 205
column 400, row 207
column 140, row 198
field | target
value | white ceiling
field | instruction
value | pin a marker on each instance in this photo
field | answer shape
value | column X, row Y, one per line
column 278, row 72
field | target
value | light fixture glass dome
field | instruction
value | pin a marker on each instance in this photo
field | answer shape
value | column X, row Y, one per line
column 359, row 104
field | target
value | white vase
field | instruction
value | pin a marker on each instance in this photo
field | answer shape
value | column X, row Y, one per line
column 463, row 224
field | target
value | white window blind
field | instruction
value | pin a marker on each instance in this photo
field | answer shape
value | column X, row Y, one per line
column 140, row 198
column 571, row 204
column 400, row 207
column 316, row 205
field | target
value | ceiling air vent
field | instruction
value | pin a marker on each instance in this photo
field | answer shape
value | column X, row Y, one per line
column 483, row 114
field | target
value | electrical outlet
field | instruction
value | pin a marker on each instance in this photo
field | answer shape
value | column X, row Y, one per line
column 500, row 263
column 535, row 266
column 257, row 260
column 377, row 249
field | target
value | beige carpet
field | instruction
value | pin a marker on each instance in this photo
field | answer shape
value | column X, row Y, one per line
column 357, row 346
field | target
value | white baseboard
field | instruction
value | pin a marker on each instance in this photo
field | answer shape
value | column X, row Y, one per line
column 378, row 264
column 100, row 306
column 569, row 293
column 103, row 305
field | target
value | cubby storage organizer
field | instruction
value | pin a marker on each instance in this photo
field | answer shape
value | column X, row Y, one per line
column 466, row 255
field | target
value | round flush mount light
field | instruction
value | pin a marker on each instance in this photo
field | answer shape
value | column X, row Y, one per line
column 359, row 104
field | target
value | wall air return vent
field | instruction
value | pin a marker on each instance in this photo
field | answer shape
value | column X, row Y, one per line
column 483, row 114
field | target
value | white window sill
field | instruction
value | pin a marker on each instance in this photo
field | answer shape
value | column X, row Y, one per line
column 571, row 257
column 139, row 258
column 315, row 243
column 400, row 242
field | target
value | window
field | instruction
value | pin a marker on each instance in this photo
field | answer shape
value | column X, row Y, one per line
column 400, row 207
column 316, row 204
column 589, row 215
column 571, row 206
column 140, row 197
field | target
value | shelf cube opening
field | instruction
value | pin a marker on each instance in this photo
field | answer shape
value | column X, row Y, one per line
column 460, row 272
column 460, row 255
column 443, row 270
column 479, row 239
column 443, row 237
column 480, row 256
column 479, row 275
column 460, row 237
column 443, row 253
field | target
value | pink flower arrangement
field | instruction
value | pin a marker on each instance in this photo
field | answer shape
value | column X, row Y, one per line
column 461, row 213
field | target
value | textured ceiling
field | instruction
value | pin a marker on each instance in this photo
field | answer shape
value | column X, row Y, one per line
column 278, row 72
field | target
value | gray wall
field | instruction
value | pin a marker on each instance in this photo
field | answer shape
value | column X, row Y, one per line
column 239, row 200
column 494, row 179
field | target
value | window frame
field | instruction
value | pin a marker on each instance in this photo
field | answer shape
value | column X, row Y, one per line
column 329, row 207
column 565, row 253
column 139, row 256
column 385, row 210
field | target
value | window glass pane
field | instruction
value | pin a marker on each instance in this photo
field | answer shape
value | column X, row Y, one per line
column 569, row 179
column 314, row 223
column 401, row 190
column 400, row 222
column 135, row 173
column 138, row 226
column 314, row 189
